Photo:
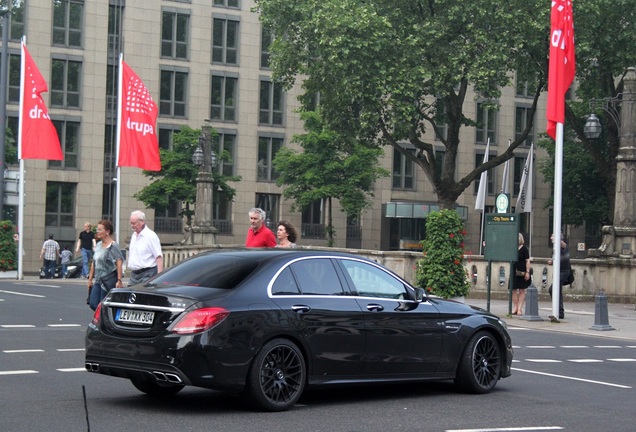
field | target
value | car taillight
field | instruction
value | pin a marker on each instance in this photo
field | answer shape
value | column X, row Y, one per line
column 200, row 320
column 97, row 314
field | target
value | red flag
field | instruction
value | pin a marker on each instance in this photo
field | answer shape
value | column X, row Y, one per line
column 138, row 141
column 562, row 62
column 39, row 139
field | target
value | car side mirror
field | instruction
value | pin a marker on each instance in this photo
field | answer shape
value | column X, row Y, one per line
column 419, row 294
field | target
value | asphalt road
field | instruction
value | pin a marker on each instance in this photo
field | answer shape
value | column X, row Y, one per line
column 560, row 382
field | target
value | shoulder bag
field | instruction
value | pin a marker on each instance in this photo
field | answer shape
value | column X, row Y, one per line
column 109, row 281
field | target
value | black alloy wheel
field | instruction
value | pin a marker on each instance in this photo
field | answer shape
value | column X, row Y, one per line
column 480, row 364
column 277, row 376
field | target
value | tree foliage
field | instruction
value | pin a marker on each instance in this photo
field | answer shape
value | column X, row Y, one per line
column 177, row 178
column 388, row 70
column 330, row 166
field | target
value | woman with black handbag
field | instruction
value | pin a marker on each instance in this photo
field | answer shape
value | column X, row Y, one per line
column 522, row 277
column 106, row 267
column 565, row 273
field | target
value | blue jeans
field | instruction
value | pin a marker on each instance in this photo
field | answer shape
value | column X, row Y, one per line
column 49, row 268
column 87, row 255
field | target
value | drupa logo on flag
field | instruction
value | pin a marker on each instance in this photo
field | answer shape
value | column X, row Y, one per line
column 139, row 144
column 38, row 138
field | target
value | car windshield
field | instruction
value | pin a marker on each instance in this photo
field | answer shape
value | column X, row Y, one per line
column 212, row 271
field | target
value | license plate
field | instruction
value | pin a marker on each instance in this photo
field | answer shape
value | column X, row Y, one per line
column 134, row 316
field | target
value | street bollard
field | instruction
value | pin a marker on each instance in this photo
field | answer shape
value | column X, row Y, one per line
column 601, row 318
column 532, row 304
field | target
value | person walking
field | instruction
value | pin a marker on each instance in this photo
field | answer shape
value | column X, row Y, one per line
column 86, row 244
column 258, row 235
column 522, row 277
column 106, row 269
column 50, row 251
column 564, row 272
column 286, row 234
column 145, row 258
column 65, row 258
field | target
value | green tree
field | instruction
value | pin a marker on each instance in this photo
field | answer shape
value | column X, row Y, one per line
column 389, row 70
column 329, row 167
column 177, row 178
column 8, row 246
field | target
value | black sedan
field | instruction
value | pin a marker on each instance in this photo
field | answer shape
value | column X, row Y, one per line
column 269, row 323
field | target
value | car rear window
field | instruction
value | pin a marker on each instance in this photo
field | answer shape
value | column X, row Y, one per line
column 211, row 271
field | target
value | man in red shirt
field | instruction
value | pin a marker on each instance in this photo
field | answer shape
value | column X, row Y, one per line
column 259, row 235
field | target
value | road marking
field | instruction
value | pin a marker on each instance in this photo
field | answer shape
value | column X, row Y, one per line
column 72, row 370
column 622, row 360
column 544, row 361
column 70, row 349
column 607, row 346
column 573, row 378
column 22, row 351
column 540, row 346
column 64, row 325
column 22, row 294
column 526, row 428
column 17, row 326
column 574, row 346
column 18, row 372
column 585, row 361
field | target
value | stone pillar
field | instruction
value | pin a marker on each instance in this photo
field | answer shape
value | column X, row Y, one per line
column 203, row 231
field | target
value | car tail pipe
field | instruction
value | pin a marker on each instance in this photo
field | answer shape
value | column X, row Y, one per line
column 92, row 367
column 167, row 377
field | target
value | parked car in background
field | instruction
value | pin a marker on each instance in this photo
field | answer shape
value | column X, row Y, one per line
column 74, row 269
column 268, row 323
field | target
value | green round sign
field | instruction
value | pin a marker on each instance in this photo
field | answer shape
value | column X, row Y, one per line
column 502, row 203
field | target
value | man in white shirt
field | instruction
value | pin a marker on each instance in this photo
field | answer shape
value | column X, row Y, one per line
column 144, row 252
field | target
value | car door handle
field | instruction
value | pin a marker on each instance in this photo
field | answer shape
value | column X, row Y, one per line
column 301, row 308
column 375, row 307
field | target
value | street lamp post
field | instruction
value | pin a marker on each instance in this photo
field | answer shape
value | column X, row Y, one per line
column 203, row 231
column 620, row 238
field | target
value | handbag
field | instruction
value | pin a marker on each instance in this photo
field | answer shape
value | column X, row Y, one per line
column 569, row 279
column 109, row 281
column 519, row 273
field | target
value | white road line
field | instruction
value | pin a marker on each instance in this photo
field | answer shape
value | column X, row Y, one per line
column 18, row 372
column 70, row 349
column 540, row 346
column 544, row 361
column 17, row 326
column 574, row 346
column 72, row 370
column 64, row 325
column 607, row 346
column 511, row 429
column 22, row 351
column 22, row 294
column 622, row 360
column 585, row 361
column 573, row 378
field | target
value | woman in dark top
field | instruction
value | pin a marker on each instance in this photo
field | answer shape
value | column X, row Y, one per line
column 522, row 278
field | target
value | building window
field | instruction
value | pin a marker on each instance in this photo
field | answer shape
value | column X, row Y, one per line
column 271, row 103
column 224, row 143
column 167, row 219
column 60, row 204
column 403, row 171
column 222, row 214
column 112, row 74
column 13, row 94
column 173, row 93
column 16, row 20
column 520, row 164
column 114, row 28
column 267, row 37
column 227, row 3
column 69, row 133
column 523, row 116
column 525, row 88
column 225, row 34
column 65, row 83
column 267, row 149
column 441, row 120
column 223, row 98
column 174, row 35
column 486, row 115
column 165, row 134
column 312, row 225
column 67, row 22
column 271, row 204
column 479, row 160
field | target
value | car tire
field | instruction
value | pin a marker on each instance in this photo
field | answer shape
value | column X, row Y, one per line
column 156, row 389
column 479, row 367
column 277, row 376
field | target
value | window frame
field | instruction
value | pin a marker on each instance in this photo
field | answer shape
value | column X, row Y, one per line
column 65, row 94
column 271, row 95
column 221, row 47
column 174, row 44
column 172, row 103
column 62, row 127
column 269, row 175
column 67, row 29
column 223, row 107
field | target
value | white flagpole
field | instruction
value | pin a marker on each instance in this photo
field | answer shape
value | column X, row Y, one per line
column 117, row 142
column 504, row 181
column 21, row 168
column 529, row 194
column 480, row 202
column 556, row 224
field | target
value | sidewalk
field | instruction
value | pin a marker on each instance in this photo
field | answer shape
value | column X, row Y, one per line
column 579, row 318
